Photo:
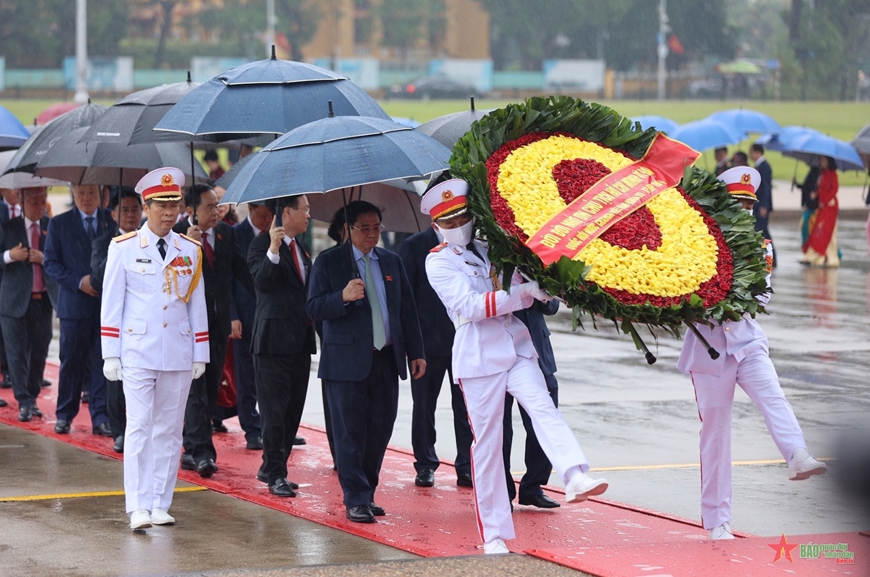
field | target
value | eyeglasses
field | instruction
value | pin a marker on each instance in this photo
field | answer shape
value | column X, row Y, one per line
column 368, row 229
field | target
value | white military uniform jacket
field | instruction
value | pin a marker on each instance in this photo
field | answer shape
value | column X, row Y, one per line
column 488, row 337
column 735, row 338
column 153, row 313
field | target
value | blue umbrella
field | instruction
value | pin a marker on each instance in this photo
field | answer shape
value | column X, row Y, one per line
column 706, row 134
column 746, row 120
column 335, row 153
column 409, row 122
column 12, row 132
column 269, row 96
column 810, row 146
column 660, row 123
column 784, row 137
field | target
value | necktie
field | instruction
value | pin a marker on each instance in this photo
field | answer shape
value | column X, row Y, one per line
column 89, row 228
column 161, row 246
column 380, row 337
column 208, row 250
column 296, row 260
column 38, row 282
column 12, row 209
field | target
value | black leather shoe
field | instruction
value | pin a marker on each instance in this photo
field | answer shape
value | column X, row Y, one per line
column 118, row 447
column 255, row 444
column 7, row 382
column 219, row 427
column 261, row 477
column 376, row 510
column 187, row 462
column 43, row 383
column 540, row 501
column 35, row 410
column 206, row 468
column 281, row 488
column 61, row 427
column 464, row 480
column 103, row 430
column 86, row 397
column 299, row 441
column 360, row 514
column 25, row 413
column 425, row 478
column 3, row 403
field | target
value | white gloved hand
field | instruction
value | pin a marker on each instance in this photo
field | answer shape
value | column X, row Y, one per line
column 533, row 289
column 198, row 370
column 112, row 369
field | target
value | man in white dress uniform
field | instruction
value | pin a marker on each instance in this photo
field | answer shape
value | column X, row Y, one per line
column 743, row 360
column 493, row 354
column 154, row 332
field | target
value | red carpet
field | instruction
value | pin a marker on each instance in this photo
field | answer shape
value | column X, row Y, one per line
column 600, row 537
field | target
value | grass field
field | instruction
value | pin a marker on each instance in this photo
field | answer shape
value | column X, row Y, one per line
column 838, row 119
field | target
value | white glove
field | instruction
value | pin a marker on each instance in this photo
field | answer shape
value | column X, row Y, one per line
column 112, row 368
column 198, row 370
column 533, row 289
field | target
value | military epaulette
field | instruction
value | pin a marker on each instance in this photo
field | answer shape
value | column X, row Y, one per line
column 196, row 242
column 124, row 237
column 440, row 247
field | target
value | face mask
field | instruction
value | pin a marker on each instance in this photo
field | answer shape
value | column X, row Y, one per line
column 460, row 236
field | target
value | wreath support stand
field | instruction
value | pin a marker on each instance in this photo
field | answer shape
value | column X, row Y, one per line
column 714, row 354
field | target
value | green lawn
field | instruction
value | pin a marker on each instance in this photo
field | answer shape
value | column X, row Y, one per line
column 838, row 119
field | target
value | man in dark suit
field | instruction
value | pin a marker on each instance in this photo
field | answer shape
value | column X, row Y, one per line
column 370, row 327
column 68, row 262
column 538, row 466
column 258, row 222
column 126, row 207
column 24, row 300
column 221, row 264
column 283, row 337
column 10, row 207
column 764, row 206
column 438, row 342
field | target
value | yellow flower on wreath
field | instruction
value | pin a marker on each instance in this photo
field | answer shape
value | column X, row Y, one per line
column 688, row 253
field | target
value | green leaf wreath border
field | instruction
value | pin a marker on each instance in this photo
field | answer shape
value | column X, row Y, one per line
column 566, row 278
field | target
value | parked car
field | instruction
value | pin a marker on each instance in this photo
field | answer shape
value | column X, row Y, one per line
column 429, row 87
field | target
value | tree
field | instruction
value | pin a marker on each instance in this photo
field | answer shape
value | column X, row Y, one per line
column 41, row 33
column 405, row 21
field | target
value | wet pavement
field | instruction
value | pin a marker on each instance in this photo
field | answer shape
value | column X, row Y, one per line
column 637, row 423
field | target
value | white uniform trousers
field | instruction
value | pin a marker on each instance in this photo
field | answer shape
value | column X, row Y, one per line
column 484, row 398
column 715, row 396
column 152, row 440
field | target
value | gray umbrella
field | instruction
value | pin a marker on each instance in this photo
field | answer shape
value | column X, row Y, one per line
column 449, row 128
column 105, row 163
column 43, row 138
column 861, row 142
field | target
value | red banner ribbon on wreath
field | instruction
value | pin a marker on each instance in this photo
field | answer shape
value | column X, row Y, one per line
column 611, row 199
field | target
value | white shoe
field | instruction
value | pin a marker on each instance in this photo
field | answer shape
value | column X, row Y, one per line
column 495, row 547
column 580, row 487
column 721, row 533
column 140, row 519
column 803, row 466
column 161, row 517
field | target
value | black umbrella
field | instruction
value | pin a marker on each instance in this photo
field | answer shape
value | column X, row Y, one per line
column 265, row 97
column 105, row 163
column 131, row 120
column 449, row 128
column 861, row 142
column 43, row 138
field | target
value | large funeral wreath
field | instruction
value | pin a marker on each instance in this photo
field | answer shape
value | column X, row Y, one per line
column 691, row 254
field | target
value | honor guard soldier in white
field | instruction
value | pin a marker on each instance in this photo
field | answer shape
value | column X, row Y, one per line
column 493, row 354
column 155, row 339
column 744, row 360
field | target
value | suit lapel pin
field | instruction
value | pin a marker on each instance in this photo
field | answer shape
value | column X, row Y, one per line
column 388, row 278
